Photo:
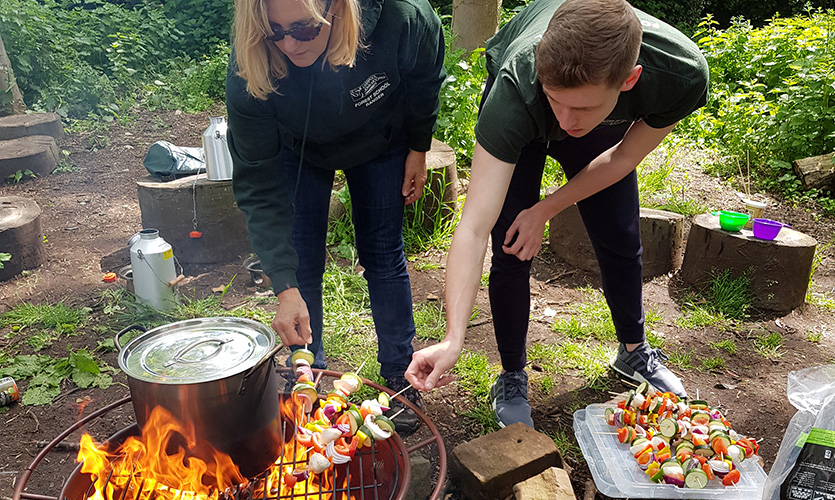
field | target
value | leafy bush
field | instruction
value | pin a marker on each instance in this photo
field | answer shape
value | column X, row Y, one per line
column 460, row 95
column 202, row 23
column 80, row 60
column 771, row 96
column 191, row 84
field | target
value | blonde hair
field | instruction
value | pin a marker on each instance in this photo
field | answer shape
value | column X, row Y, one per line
column 589, row 42
column 261, row 63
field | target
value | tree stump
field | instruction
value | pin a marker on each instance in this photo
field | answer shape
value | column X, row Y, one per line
column 662, row 237
column 21, row 235
column 36, row 153
column 440, row 197
column 170, row 208
column 779, row 269
column 17, row 126
column 816, row 172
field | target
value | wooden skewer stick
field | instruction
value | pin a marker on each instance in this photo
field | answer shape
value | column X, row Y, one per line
column 398, row 413
column 629, row 382
column 357, row 371
column 401, row 391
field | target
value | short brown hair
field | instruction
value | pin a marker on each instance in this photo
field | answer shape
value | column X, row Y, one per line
column 261, row 63
column 589, row 42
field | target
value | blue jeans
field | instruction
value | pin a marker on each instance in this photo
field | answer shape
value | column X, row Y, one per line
column 377, row 207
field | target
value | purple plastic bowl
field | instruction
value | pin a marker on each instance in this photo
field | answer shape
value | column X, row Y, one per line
column 767, row 229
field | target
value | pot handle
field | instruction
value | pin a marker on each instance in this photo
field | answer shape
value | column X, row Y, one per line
column 178, row 357
column 269, row 356
column 124, row 331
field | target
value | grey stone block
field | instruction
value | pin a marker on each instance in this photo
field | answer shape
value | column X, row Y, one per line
column 552, row 484
column 488, row 467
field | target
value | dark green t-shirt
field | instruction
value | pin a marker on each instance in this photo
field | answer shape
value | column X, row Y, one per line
column 673, row 83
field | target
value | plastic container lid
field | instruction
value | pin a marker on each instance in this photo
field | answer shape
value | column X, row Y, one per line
column 617, row 474
column 198, row 350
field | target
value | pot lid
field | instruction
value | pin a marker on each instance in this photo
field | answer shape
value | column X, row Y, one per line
column 196, row 350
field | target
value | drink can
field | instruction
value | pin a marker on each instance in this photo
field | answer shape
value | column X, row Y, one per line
column 8, row 391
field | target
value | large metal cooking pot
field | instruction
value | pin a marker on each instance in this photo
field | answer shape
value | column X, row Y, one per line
column 217, row 374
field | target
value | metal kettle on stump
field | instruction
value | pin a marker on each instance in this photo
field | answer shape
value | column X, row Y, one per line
column 216, row 150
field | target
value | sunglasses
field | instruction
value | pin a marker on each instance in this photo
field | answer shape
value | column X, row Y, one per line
column 304, row 33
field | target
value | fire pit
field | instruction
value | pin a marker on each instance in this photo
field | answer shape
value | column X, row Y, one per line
column 380, row 472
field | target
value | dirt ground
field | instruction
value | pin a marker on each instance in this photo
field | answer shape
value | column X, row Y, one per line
column 89, row 214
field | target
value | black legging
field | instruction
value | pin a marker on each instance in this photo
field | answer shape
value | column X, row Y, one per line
column 612, row 220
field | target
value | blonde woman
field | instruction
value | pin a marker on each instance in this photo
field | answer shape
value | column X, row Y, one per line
column 316, row 86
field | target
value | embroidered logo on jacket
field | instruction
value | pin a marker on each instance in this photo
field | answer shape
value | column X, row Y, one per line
column 371, row 90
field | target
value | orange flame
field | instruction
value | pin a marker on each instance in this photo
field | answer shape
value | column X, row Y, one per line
column 160, row 464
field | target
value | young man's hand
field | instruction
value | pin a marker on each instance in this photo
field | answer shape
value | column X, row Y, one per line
column 415, row 176
column 292, row 320
column 429, row 366
column 524, row 237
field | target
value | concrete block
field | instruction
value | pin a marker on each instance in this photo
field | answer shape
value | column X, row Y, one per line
column 552, row 484
column 421, row 485
column 488, row 467
column 662, row 236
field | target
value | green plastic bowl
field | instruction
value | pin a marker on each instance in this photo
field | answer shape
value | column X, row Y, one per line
column 732, row 221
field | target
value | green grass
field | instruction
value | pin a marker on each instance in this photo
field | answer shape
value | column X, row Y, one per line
column 815, row 338
column 591, row 362
column 820, row 299
column 569, row 449
column 430, row 321
column 726, row 345
column 476, row 375
column 714, row 363
column 59, row 317
column 723, row 300
column 683, row 359
column 769, row 345
column 592, row 318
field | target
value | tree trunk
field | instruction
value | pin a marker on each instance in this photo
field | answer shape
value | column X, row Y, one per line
column 474, row 21
column 816, row 172
column 11, row 101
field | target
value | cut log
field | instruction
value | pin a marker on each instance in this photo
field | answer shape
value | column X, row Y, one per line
column 816, row 172
column 779, row 269
column 662, row 237
column 36, row 153
column 439, row 200
column 17, row 126
column 170, row 208
column 21, row 235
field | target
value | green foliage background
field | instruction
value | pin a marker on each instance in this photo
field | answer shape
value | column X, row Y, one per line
column 770, row 95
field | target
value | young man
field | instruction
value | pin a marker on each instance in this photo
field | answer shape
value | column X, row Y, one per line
column 596, row 85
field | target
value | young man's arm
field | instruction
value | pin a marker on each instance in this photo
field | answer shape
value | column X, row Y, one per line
column 489, row 181
column 611, row 166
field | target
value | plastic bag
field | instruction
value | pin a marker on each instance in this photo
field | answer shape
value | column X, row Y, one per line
column 805, row 465
column 168, row 161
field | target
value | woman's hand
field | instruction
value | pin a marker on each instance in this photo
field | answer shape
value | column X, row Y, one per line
column 292, row 321
column 415, row 176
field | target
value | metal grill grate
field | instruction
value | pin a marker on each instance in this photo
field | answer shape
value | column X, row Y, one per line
column 379, row 473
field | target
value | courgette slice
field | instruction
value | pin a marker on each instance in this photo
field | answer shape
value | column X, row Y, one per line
column 695, row 479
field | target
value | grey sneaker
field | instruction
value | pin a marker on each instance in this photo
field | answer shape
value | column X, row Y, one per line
column 646, row 364
column 509, row 396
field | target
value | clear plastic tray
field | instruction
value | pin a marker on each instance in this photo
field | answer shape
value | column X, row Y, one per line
column 616, row 473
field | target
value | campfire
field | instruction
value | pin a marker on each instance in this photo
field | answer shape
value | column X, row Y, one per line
column 165, row 462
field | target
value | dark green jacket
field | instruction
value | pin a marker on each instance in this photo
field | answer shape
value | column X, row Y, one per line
column 394, row 86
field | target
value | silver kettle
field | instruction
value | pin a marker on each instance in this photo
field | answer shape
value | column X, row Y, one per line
column 216, row 150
